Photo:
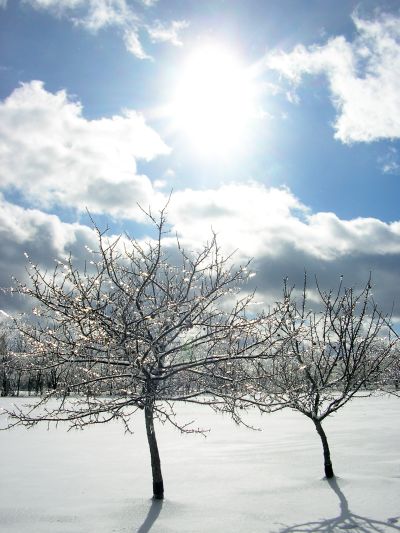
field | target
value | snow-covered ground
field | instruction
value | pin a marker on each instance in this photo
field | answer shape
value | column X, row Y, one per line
column 235, row 480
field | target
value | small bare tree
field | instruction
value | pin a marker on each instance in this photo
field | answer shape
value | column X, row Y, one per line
column 5, row 370
column 391, row 381
column 324, row 357
column 138, row 328
column 11, row 371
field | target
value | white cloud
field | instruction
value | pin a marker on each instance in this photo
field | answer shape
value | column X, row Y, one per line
column 54, row 156
column 58, row 7
column 272, row 225
column 390, row 162
column 391, row 167
column 103, row 13
column 133, row 44
column 149, row 3
column 245, row 216
column 263, row 221
column 27, row 227
column 160, row 184
column 3, row 4
column 161, row 32
column 363, row 77
column 42, row 236
column 95, row 15
column 286, row 238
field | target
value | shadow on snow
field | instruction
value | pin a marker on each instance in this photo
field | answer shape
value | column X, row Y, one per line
column 152, row 515
column 345, row 521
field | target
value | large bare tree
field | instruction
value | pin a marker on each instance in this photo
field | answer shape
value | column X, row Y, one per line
column 141, row 326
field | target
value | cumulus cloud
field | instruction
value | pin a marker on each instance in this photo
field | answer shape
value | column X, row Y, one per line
column 276, row 219
column 363, row 77
column 94, row 15
column 285, row 238
column 54, row 156
column 42, row 237
column 225, row 211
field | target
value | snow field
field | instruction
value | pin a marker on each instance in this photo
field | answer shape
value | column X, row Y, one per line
column 234, row 480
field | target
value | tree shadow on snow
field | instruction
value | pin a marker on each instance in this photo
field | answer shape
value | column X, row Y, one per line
column 152, row 515
column 345, row 521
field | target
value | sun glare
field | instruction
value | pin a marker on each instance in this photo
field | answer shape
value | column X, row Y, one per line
column 214, row 100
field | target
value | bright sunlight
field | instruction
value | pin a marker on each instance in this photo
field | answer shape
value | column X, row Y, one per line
column 214, row 100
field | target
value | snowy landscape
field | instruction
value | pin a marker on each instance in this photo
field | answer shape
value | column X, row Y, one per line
column 233, row 480
column 199, row 267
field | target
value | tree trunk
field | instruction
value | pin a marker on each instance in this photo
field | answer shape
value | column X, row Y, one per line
column 327, row 454
column 158, row 484
column 19, row 383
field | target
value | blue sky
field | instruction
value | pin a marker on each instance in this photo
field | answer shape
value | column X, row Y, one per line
column 277, row 123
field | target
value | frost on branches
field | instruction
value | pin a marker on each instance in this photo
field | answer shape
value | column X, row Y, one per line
column 324, row 358
column 142, row 326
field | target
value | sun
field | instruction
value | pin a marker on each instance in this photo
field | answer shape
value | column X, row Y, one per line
column 214, row 100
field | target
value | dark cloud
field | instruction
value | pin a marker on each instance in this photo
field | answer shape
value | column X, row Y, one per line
column 356, row 268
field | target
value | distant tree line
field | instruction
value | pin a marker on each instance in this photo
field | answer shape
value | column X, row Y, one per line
column 144, row 325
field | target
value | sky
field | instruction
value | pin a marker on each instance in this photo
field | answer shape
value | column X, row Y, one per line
column 275, row 124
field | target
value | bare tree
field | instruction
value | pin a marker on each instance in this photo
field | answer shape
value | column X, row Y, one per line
column 5, row 370
column 141, row 326
column 325, row 357
column 11, row 370
column 391, row 382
